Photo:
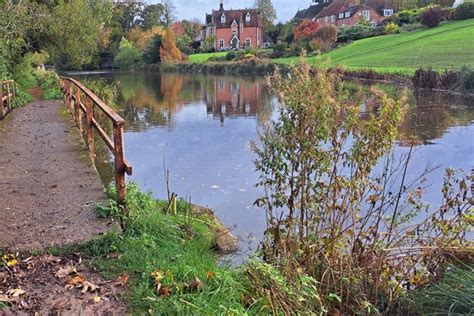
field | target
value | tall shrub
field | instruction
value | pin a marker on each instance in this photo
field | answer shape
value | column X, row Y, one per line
column 128, row 55
column 464, row 11
column 432, row 17
column 335, row 220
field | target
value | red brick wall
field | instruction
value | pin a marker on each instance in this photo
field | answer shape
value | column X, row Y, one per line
column 254, row 33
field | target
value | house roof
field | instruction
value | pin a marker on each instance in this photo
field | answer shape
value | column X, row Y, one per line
column 333, row 9
column 256, row 19
column 337, row 7
column 312, row 11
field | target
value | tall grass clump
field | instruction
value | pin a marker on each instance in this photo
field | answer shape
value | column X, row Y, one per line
column 452, row 294
column 332, row 217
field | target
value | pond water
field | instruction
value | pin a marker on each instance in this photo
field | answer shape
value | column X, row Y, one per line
column 200, row 129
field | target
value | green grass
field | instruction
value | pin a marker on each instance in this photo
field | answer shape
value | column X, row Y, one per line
column 200, row 58
column 453, row 294
column 180, row 248
column 450, row 45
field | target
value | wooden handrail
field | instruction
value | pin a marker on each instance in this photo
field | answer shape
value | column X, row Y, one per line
column 7, row 94
column 79, row 99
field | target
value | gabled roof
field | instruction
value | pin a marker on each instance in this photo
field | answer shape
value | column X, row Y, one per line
column 333, row 9
column 256, row 19
column 337, row 7
column 312, row 11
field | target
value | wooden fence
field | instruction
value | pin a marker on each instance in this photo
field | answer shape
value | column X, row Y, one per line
column 78, row 100
column 7, row 94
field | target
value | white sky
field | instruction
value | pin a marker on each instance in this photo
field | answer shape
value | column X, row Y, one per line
column 189, row 9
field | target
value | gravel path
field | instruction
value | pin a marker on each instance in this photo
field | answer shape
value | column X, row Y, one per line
column 48, row 187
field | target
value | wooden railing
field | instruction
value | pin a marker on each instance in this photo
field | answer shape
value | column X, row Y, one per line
column 79, row 99
column 7, row 93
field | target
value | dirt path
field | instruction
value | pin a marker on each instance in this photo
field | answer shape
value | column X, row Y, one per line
column 48, row 187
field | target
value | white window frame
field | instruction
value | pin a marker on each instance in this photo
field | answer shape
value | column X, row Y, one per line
column 341, row 15
column 223, row 18
column 248, row 17
column 221, row 43
column 248, row 42
column 373, row 24
column 387, row 12
column 366, row 14
column 347, row 14
column 333, row 18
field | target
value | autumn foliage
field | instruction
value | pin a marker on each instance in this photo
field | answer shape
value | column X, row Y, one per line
column 142, row 38
column 169, row 51
column 306, row 30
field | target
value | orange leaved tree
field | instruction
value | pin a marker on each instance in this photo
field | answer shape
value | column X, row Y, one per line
column 169, row 52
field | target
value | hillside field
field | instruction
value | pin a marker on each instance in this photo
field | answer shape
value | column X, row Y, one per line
column 450, row 45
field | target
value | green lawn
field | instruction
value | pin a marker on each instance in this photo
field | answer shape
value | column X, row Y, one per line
column 446, row 46
column 200, row 58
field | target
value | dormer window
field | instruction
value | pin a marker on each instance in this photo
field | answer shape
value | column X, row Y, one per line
column 347, row 14
column 223, row 18
column 387, row 12
column 341, row 15
column 247, row 17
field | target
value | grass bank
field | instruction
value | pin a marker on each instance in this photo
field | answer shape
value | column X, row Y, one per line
column 168, row 258
column 447, row 46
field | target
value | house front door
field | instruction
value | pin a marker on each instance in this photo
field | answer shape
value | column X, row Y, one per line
column 235, row 43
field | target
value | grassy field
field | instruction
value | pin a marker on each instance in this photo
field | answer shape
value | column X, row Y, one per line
column 200, row 58
column 447, row 46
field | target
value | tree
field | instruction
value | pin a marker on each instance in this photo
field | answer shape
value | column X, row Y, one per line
column 268, row 12
column 169, row 51
column 76, row 34
column 306, row 30
column 169, row 12
column 128, row 55
column 153, row 15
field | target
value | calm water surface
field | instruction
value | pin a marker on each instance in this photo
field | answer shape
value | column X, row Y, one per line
column 202, row 126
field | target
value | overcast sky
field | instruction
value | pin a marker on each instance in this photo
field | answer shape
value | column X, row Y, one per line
column 189, row 9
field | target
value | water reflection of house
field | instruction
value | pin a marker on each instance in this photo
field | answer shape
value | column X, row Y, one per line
column 231, row 97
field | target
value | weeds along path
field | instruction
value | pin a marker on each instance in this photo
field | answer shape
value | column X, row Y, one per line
column 48, row 187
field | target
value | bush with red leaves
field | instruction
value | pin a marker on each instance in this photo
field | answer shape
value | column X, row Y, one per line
column 432, row 17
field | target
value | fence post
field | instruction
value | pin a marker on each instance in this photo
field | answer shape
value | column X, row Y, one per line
column 119, row 163
column 77, row 108
column 90, row 127
column 9, row 104
column 1, row 100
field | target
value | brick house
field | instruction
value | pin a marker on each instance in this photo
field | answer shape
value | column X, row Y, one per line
column 234, row 29
column 347, row 13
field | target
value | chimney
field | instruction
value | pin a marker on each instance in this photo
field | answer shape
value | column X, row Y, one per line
column 221, row 8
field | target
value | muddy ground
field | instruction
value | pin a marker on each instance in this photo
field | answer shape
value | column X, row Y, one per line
column 48, row 186
column 51, row 285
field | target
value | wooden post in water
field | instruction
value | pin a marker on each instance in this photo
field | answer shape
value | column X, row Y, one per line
column 119, row 163
column 90, row 127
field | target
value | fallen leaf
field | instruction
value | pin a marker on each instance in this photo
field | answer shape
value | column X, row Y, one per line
column 77, row 280
column 15, row 292
column 122, row 280
column 158, row 275
column 10, row 260
column 96, row 299
column 195, row 285
column 114, row 255
column 7, row 299
column 64, row 272
column 4, row 275
column 88, row 287
column 210, row 274
column 163, row 291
